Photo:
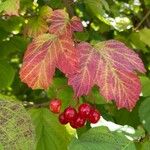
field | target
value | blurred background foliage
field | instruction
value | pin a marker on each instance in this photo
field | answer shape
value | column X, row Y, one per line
column 125, row 20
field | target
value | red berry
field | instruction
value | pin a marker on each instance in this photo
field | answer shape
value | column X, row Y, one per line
column 70, row 113
column 84, row 110
column 62, row 119
column 94, row 116
column 55, row 105
column 79, row 121
column 73, row 124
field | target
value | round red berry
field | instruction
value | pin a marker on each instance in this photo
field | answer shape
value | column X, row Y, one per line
column 84, row 110
column 70, row 113
column 55, row 105
column 80, row 121
column 62, row 119
column 94, row 116
column 73, row 124
column 77, row 122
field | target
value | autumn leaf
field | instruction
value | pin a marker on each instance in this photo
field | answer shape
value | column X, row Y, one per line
column 10, row 7
column 38, row 25
column 50, row 51
column 111, row 66
column 61, row 24
column 43, row 55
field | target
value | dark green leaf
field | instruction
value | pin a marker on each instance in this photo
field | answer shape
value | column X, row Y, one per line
column 7, row 74
column 144, row 112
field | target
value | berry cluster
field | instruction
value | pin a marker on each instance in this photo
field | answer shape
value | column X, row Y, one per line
column 76, row 119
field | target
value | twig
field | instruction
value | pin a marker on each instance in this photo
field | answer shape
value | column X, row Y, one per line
column 33, row 105
column 144, row 18
column 68, row 4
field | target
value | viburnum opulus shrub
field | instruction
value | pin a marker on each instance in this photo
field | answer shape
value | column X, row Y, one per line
column 109, row 65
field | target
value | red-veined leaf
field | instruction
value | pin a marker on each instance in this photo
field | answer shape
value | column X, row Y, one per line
column 111, row 66
column 61, row 23
column 76, row 24
column 43, row 55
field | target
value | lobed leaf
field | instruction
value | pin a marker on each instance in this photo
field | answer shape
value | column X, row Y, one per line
column 48, row 51
column 111, row 66
column 43, row 55
column 61, row 24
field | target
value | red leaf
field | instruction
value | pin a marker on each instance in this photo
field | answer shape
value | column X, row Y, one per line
column 61, row 24
column 111, row 66
column 76, row 24
column 43, row 55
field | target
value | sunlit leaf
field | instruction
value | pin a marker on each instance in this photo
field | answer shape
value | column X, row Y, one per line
column 100, row 138
column 49, row 133
column 38, row 25
column 16, row 129
column 10, row 7
column 145, row 86
column 145, row 36
column 43, row 55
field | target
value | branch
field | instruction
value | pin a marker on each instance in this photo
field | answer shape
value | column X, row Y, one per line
column 33, row 105
column 144, row 18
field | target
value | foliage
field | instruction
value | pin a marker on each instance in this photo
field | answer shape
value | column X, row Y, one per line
column 95, row 51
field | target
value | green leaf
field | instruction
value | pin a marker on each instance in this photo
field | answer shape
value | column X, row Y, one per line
column 123, row 116
column 147, row 3
column 100, row 9
column 100, row 138
column 16, row 130
column 145, row 36
column 1, row 147
column 50, row 135
column 10, row 7
column 136, row 43
column 15, row 45
column 145, row 145
column 12, row 24
column 7, row 74
column 55, row 4
column 81, row 36
column 144, row 112
column 95, row 97
column 145, row 86
column 60, row 89
column 37, row 25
